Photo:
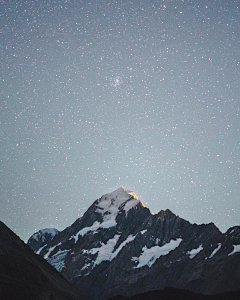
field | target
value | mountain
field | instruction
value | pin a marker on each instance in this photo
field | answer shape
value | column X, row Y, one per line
column 41, row 238
column 119, row 248
column 27, row 276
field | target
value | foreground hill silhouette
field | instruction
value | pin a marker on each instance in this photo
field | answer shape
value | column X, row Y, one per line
column 176, row 294
column 27, row 276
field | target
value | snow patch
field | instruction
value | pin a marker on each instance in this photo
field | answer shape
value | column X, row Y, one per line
column 105, row 251
column 107, row 223
column 149, row 256
column 85, row 267
column 50, row 250
column 231, row 231
column 130, row 204
column 40, row 249
column 194, row 252
column 215, row 250
column 58, row 259
column 112, row 202
column 236, row 248
column 109, row 205
column 143, row 231
column 128, row 240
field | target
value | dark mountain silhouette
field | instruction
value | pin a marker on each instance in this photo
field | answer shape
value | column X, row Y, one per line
column 176, row 294
column 27, row 276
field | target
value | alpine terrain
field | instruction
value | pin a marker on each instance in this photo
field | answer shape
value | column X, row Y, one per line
column 119, row 248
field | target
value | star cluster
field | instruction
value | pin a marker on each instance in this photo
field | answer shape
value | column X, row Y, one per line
column 100, row 94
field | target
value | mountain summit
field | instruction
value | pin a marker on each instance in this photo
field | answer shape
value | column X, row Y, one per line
column 108, row 208
column 119, row 248
column 120, row 199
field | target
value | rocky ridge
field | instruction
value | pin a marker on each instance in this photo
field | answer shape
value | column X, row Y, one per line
column 119, row 247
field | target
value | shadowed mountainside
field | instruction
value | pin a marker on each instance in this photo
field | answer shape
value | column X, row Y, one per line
column 176, row 294
column 27, row 276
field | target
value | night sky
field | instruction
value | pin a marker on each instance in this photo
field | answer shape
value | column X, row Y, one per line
column 101, row 94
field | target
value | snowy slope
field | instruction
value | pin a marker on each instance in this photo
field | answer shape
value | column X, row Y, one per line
column 109, row 206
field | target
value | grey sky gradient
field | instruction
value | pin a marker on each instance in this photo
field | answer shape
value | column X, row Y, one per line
column 100, row 94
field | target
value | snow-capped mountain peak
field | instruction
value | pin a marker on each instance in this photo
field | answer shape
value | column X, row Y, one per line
column 41, row 238
column 108, row 207
column 41, row 234
column 118, row 243
column 116, row 200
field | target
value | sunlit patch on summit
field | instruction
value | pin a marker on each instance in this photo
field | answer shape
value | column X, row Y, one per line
column 117, row 199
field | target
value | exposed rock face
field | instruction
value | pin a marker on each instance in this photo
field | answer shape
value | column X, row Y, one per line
column 119, row 248
column 27, row 276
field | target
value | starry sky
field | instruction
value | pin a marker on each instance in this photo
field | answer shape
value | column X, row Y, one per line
column 98, row 94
